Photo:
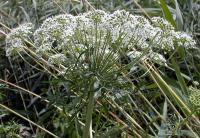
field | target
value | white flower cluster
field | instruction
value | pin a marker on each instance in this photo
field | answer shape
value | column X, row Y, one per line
column 133, row 32
column 57, row 59
column 73, row 34
column 15, row 39
column 55, row 31
column 156, row 57
column 171, row 37
column 194, row 96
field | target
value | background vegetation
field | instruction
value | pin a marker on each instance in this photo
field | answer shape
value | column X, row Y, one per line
column 164, row 102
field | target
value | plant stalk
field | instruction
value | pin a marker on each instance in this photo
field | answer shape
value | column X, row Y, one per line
column 88, row 124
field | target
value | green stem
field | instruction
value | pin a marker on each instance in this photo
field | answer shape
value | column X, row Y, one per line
column 88, row 123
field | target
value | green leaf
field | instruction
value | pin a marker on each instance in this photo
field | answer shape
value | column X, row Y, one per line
column 35, row 4
column 163, row 130
column 179, row 76
column 181, row 52
column 179, row 18
column 25, row 13
column 2, row 85
column 168, row 91
column 167, row 13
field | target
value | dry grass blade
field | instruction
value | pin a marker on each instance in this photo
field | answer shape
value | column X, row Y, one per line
column 40, row 127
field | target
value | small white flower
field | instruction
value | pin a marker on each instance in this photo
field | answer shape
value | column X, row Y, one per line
column 196, row 83
column 16, row 46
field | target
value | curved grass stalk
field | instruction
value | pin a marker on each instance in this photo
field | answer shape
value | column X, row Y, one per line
column 42, row 128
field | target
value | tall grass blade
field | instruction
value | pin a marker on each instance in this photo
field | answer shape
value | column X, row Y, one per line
column 167, row 13
column 179, row 18
column 179, row 76
column 165, row 88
